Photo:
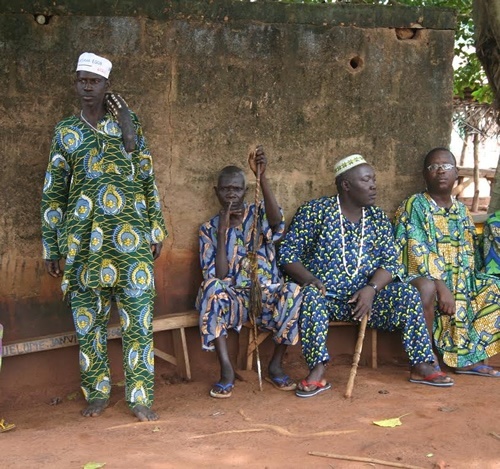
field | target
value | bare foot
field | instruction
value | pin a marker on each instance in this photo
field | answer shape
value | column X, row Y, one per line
column 144, row 414
column 95, row 408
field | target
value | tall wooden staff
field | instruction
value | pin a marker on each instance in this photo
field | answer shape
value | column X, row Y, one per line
column 357, row 355
column 255, row 309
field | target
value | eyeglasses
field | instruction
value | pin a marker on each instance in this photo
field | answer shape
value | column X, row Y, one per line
column 444, row 167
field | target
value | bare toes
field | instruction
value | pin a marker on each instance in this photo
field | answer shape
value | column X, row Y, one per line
column 95, row 408
column 144, row 414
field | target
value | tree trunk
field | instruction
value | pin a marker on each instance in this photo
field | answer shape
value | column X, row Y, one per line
column 487, row 31
column 487, row 35
column 475, row 199
column 495, row 191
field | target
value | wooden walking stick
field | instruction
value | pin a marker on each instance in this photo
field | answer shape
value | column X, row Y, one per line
column 255, row 307
column 357, row 355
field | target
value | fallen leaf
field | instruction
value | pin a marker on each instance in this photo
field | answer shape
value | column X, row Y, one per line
column 395, row 422
column 156, row 429
column 429, row 455
column 388, row 422
column 5, row 427
column 94, row 465
column 72, row 396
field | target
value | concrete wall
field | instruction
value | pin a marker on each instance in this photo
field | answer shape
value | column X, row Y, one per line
column 312, row 83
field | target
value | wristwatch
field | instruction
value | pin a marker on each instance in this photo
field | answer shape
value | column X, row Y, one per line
column 374, row 286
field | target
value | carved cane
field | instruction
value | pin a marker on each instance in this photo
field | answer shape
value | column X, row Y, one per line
column 357, row 355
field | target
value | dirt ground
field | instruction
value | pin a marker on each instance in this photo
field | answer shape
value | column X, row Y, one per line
column 455, row 428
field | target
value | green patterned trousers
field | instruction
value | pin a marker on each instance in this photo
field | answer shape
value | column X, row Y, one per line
column 91, row 311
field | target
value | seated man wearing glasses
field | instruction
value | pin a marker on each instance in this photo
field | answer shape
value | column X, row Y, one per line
column 439, row 248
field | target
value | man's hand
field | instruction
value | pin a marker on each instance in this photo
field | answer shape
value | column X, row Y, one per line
column 315, row 282
column 362, row 302
column 156, row 250
column 225, row 217
column 446, row 300
column 52, row 267
column 257, row 160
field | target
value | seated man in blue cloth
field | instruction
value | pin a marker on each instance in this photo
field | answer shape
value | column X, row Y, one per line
column 224, row 296
column 341, row 250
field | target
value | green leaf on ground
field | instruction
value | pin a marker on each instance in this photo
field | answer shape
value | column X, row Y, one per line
column 94, row 465
column 73, row 396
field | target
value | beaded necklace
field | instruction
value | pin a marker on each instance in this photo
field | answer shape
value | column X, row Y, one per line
column 97, row 132
column 342, row 235
column 90, row 125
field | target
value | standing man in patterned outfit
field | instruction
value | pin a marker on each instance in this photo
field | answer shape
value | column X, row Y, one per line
column 224, row 296
column 101, row 212
column 341, row 250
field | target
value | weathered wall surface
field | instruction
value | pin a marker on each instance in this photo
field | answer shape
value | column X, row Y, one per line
column 312, row 83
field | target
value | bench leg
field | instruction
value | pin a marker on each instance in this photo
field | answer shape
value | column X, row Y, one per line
column 181, row 353
column 243, row 341
column 261, row 336
column 250, row 349
column 374, row 349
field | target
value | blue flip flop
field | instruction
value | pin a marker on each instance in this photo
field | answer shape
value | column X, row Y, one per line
column 284, row 383
column 222, row 391
column 480, row 370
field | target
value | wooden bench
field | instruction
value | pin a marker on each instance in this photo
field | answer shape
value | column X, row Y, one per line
column 176, row 322
column 247, row 349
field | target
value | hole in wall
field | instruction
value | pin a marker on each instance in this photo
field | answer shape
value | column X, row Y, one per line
column 356, row 63
column 42, row 20
column 405, row 34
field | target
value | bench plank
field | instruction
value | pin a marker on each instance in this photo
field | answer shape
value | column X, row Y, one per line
column 168, row 322
column 245, row 362
column 176, row 322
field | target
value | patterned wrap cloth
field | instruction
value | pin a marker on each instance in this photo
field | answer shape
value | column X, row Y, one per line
column 491, row 244
column 437, row 243
column 223, row 303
